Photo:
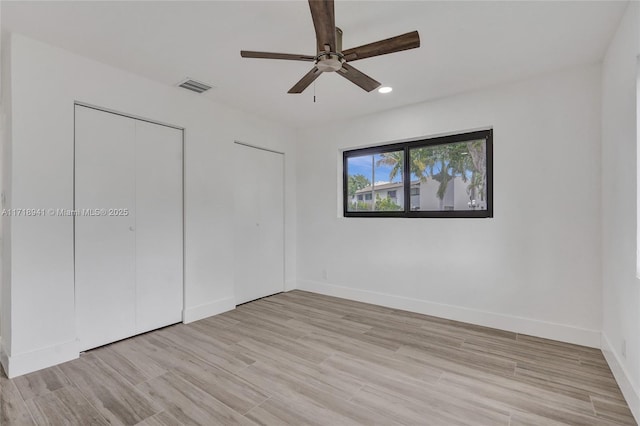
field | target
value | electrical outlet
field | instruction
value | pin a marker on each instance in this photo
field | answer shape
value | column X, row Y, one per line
column 624, row 348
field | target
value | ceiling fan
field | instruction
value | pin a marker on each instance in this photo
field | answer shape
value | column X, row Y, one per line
column 330, row 56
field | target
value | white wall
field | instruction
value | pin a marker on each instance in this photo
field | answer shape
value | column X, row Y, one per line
column 534, row 268
column 45, row 82
column 621, row 288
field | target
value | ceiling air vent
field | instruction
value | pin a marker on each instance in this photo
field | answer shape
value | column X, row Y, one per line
column 194, row 86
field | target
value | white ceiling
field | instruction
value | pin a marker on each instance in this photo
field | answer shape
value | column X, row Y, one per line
column 465, row 46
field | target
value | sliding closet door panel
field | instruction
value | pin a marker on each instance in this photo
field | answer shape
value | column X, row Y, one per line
column 259, row 224
column 271, row 230
column 158, row 226
column 104, row 244
column 246, row 218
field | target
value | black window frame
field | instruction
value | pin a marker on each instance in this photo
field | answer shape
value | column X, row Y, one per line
column 487, row 135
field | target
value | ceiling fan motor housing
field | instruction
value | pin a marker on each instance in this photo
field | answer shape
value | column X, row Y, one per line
column 328, row 61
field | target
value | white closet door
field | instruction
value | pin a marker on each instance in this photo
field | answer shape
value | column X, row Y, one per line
column 246, row 215
column 158, row 226
column 128, row 262
column 259, row 223
column 104, row 245
column 271, row 229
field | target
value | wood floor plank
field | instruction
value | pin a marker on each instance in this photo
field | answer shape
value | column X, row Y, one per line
column 218, row 322
column 336, row 307
column 561, row 346
column 274, row 379
column 612, row 410
column 41, row 382
column 515, row 351
column 270, row 343
column 329, row 407
column 116, row 399
column 570, row 373
column 65, row 406
column 123, row 365
column 172, row 350
column 528, row 419
column 131, row 350
column 415, row 413
column 249, row 320
column 319, row 376
column 457, row 360
column 338, row 326
column 572, row 385
column 339, row 343
column 189, row 342
column 227, row 388
column 298, row 410
column 274, row 412
column 300, row 358
column 188, row 404
column 13, row 410
column 527, row 399
column 264, row 309
column 569, row 389
column 379, row 377
column 161, row 419
column 414, row 336
column 303, row 312
column 223, row 335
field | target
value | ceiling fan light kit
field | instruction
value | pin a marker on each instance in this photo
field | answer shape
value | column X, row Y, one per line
column 330, row 57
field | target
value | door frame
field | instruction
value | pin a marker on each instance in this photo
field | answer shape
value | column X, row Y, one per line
column 134, row 117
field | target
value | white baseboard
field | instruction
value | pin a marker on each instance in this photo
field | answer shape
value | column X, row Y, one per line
column 630, row 391
column 17, row 365
column 532, row 327
column 205, row 310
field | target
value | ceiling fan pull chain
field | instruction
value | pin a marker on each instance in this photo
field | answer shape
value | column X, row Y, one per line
column 314, row 92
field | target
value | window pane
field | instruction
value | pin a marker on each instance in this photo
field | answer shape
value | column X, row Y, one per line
column 449, row 177
column 375, row 182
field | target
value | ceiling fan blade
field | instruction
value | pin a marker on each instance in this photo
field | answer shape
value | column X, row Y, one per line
column 394, row 44
column 305, row 81
column 324, row 21
column 271, row 55
column 358, row 77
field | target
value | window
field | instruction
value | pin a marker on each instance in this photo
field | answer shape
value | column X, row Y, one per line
column 374, row 175
column 448, row 176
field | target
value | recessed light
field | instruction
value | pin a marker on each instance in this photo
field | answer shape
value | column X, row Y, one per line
column 385, row 89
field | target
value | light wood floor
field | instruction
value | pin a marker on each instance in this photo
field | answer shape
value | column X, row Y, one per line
column 301, row 358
